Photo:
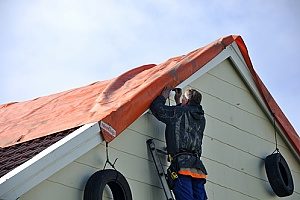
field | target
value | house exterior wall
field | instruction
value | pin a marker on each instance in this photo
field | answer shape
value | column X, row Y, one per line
column 237, row 138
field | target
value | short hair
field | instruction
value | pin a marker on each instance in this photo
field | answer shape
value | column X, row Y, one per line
column 193, row 96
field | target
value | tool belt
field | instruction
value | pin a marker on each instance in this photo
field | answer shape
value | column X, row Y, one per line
column 172, row 171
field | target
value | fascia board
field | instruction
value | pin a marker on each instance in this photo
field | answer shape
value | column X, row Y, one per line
column 240, row 65
column 49, row 161
column 208, row 66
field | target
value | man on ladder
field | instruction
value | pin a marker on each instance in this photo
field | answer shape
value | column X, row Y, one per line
column 185, row 124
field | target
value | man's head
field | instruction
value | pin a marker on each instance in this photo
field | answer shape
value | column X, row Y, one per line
column 191, row 96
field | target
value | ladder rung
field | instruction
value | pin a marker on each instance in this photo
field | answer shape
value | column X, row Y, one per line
column 161, row 151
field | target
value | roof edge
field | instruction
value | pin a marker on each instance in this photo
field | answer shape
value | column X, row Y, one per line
column 273, row 107
column 46, row 163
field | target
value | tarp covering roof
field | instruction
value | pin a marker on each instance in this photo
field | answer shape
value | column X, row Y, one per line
column 119, row 102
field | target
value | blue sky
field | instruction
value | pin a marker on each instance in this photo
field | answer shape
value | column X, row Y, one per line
column 48, row 46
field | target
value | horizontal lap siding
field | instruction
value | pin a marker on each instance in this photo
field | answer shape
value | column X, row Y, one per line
column 48, row 190
column 238, row 137
column 133, row 162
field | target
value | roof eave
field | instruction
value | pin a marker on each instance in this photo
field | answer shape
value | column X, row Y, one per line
column 46, row 163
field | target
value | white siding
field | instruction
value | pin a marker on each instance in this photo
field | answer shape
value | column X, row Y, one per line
column 237, row 138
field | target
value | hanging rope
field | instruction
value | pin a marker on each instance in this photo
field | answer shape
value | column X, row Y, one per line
column 107, row 158
column 275, row 132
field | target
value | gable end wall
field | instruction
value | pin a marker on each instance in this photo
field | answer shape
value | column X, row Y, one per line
column 237, row 138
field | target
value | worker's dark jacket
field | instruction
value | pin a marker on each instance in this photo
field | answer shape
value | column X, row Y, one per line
column 184, row 131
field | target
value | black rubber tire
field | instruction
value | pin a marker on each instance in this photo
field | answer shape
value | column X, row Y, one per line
column 116, row 182
column 279, row 175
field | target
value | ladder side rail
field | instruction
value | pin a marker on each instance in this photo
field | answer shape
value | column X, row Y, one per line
column 160, row 169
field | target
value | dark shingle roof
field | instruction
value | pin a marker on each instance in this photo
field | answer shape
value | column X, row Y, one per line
column 14, row 156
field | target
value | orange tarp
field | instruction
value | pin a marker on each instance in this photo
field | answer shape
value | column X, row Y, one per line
column 120, row 101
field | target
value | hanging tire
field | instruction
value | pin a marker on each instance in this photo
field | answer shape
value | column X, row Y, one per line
column 279, row 175
column 116, row 182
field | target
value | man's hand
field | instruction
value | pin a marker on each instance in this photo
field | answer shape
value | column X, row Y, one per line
column 166, row 92
column 178, row 93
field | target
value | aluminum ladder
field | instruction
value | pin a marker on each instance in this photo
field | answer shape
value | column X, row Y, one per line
column 159, row 168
